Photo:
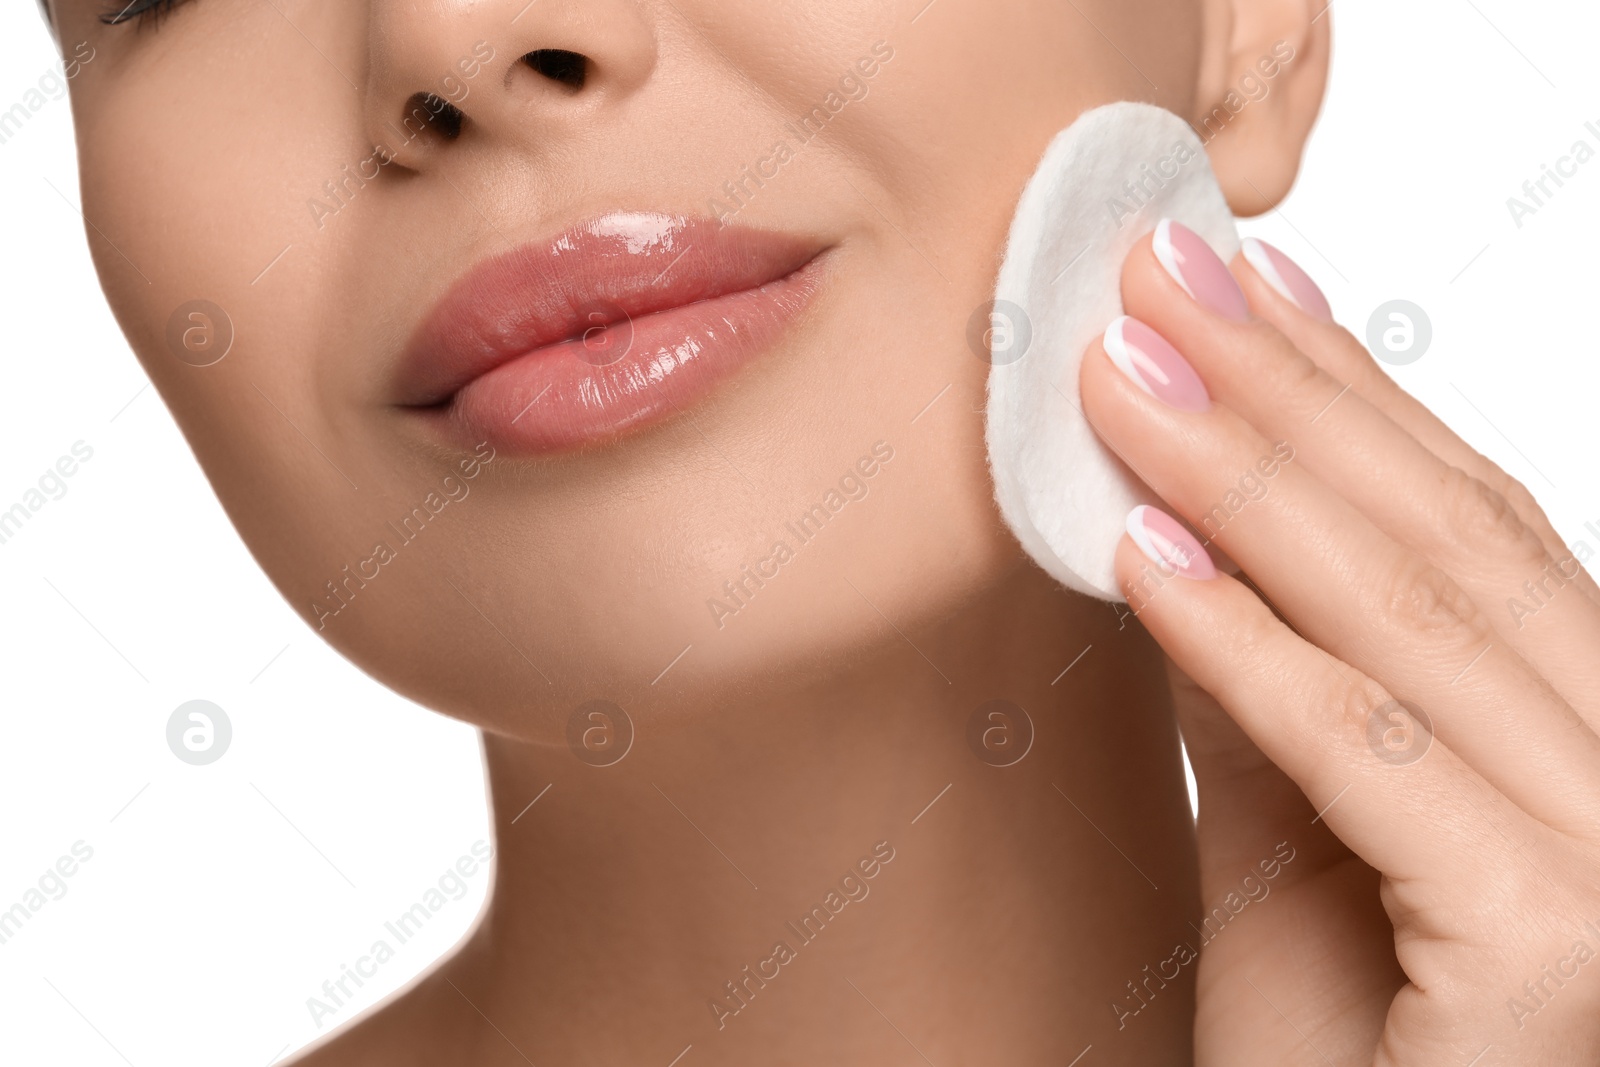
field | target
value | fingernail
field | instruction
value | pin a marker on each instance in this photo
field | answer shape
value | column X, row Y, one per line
column 1165, row 542
column 1199, row 270
column 1285, row 275
column 1154, row 365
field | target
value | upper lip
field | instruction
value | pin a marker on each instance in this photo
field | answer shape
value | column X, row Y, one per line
column 623, row 265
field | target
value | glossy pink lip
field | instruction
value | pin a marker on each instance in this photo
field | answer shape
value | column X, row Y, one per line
column 613, row 325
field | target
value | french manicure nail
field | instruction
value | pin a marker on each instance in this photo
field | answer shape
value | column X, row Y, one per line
column 1166, row 543
column 1200, row 271
column 1154, row 365
column 1285, row 275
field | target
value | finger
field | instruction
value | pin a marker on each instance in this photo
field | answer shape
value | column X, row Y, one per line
column 1411, row 813
column 1260, row 271
column 1247, row 805
column 1454, row 521
column 1253, row 819
column 1357, row 593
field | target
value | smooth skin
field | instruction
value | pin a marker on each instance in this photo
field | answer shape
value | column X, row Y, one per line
column 1382, row 562
column 774, row 752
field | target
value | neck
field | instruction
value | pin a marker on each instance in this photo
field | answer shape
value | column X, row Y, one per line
column 849, row 852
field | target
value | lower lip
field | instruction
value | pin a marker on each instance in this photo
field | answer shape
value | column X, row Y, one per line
column 625, row 376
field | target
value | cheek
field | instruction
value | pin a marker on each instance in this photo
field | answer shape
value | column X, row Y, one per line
column 197, row 170
column 888, row 374
column 195, row 179
column 546, row 588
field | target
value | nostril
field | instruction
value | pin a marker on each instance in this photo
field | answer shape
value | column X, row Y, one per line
column 431, row 112
column 569, row 68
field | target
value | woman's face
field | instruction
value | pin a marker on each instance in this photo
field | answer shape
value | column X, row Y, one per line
column 562, row 527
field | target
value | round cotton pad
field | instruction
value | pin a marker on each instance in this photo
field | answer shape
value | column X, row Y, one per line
column 1104, row 182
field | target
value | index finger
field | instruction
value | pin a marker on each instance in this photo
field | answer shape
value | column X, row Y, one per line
column 1280, row 293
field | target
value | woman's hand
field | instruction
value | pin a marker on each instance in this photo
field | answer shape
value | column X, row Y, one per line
column 1441, row 902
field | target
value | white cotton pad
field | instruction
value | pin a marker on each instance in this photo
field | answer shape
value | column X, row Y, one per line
column 1104, row 182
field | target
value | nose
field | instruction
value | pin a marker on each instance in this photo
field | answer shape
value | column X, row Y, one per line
column 522, row 72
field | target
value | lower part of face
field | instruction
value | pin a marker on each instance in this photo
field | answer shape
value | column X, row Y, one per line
column 833, row 479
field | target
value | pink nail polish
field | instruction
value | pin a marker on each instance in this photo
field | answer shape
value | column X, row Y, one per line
column 1200, row 272
column 1154, row 365
column 1285, row 275
column 1166, row 543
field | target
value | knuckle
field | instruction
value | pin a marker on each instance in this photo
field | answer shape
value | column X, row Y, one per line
column 1298, row 376
column 1484, row 518
column 1518, row 495
column 1521, row 874
column 1494, row 474
column 1515, row 493
column 1353, row 698
column 1422, row 600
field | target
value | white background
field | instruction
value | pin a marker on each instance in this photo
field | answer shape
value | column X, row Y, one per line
column 219, row 898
